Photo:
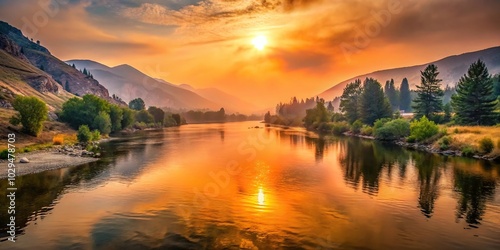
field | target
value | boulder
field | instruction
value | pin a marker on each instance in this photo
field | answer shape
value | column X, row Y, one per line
column 24, row 160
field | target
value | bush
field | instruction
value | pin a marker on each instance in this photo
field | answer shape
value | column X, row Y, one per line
column 32, row 114
column 325, row 127
column 340, row 128
column 366, row 130
column 58, row 139
column 411, row 139
column 444, row 142
column 423, row 129
column 102, row 122
column 144, row 116
column 84, row 135
column 380, row 122
column 96, row 135
column 393, row 130
column 486, row 145
column 356, row 127
column 468, row 151
column 4, row 154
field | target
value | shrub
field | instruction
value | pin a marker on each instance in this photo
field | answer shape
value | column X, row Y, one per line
column 102, row 122
column 4, row 154
column 393, row 130
column 356, row 127
column 486, row 145
column 325, row 127
column 96, row 135
column 84, row 135
column 380, row 122
column 340, row 128
column 366, row 130
column 468, row 151
column 444, row 142
column 411, row 139
column 32, row 114
column 58, row 139
column 423, row 129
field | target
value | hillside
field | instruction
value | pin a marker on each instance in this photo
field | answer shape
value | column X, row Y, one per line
column 130, row 83
column 451, row 69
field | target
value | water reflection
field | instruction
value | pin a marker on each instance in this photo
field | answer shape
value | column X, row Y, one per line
column 298, row 191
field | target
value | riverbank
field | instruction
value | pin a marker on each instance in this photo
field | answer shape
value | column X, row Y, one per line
column 48, row 159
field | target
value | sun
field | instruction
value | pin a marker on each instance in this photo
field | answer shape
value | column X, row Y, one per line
column 259, row 42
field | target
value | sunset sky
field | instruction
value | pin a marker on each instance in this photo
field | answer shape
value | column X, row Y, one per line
column 311, row 44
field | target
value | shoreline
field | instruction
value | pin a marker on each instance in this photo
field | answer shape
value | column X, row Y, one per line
column 43, row 160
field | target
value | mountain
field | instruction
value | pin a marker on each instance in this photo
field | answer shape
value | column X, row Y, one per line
column 130, row 83
column 451, row 69
column 26, row 61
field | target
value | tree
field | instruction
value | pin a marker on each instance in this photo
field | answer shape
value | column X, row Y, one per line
column 349, row 101
column 374, row 104
column 177, row 119
column 158, row 114
column 137, row 104
column 496, row 85
column 85, row 71
column 116, row 116
column 474, row 102
column 144, row 116
column 32, row 114
column 429, row 94
column 128, row 118
column 84, row 135
column 330, row 107
column 392, row 94
column 267, row 117
column 405, row 96
column 319, row 114
column 102, row 122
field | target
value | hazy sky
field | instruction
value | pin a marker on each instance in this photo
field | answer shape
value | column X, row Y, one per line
column 312, row 44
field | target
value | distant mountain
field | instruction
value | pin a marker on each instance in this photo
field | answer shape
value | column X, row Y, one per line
column 34, row 64
column 450, row 68
column 129, row 83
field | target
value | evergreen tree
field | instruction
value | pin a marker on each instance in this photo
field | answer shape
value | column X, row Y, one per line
column 405, row 96
column 474, row 103
column 330, row 107
column 429, row 94
column 349, row 101
column 392, row 93
column 84, row 71
column 496, row 85
column 374, row 104
column 73, row 66
column 267, row 117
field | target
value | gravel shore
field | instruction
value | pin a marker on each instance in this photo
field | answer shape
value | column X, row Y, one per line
column 43, row 160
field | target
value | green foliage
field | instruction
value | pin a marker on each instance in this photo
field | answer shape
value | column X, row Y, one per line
column 380, row 122
column 319, row 114
column 429, row 93
column 78, row 111
column 158, row 114
column 356, row 127
column 340, row 128
column 447, row 113
column 405, row 96
column 96, row 135
column 144, row 116
column 474, row 102
column 392, row 94
column 177, row 119
column 423, row 129
column 444, row 142
column 128, row 118
column 137, row 104
column 486, row 145
column 32, row 114
column 4, row 154
column 169, row 121
column 116, row 116
column 468, row 151
column 102, row 122
column 411, row 139
column 374, row 103
column 393, row 130
column 349, row 101
column 366, row 130
column 84, row 135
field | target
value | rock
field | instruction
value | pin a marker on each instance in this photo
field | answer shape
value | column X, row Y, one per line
column 24, row 160
column 97, row 155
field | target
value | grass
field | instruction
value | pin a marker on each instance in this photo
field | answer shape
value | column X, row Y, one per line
column 471, row 136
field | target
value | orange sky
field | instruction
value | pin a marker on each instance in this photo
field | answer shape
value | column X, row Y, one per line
column 312, row 44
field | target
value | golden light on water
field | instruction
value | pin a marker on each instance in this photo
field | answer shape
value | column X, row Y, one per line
column 260, row 197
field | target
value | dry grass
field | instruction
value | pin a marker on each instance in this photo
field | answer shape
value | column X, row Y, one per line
column 471, row 135
column 58, row 139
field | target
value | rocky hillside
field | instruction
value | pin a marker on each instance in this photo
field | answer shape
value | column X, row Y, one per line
column 450, row 68
column 32, row 63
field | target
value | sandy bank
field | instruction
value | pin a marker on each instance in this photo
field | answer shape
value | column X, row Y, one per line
column 43, row 160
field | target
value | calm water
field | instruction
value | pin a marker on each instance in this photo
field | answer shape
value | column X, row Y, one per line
column 228, row 186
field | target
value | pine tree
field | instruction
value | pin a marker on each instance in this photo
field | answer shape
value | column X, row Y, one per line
column 496, row 84
column 405, row 96
column 73, row 66
column 374, row 103
column 474, row 102
column 429, row 94
column 392, row 93
column 349, row 101
column 84, row 71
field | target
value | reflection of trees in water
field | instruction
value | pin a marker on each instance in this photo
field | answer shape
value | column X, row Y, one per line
column 37, row 193
column 474, row 191
column 428, row 167
column 363, row 162
column 319, row 146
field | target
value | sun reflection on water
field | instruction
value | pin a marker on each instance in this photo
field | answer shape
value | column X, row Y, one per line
column 260, row 197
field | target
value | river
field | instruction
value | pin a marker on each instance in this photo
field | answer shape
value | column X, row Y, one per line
column 234, row 186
